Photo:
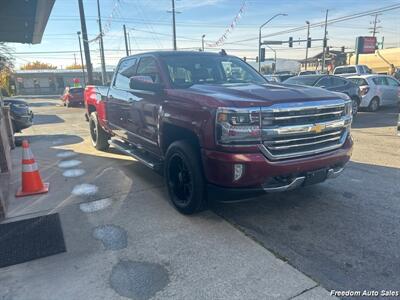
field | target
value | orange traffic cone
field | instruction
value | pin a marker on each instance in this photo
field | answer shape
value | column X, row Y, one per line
column 32, row 183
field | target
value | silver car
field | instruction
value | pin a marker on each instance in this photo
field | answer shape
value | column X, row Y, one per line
column 377, row 90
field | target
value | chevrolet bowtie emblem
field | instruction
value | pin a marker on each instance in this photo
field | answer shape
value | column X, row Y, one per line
column 317, row 128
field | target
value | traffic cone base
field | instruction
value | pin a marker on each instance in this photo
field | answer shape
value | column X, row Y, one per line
column 32, row 183
column 43, row 190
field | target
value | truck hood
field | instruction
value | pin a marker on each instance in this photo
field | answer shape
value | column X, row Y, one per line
column 259, row 94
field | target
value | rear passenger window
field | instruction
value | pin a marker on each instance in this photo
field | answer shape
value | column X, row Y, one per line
column 148, row 67
column 338, row 81
column 125, row 71
column 392, row 82
column 380, row 81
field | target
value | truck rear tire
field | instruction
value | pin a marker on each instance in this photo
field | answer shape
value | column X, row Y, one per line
column 97, row 134
column 184, row 178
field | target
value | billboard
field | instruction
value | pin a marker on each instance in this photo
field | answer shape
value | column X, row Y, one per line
column 365, row 44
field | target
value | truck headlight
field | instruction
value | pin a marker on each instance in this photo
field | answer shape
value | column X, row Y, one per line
column 348, row 108
column 239, row 126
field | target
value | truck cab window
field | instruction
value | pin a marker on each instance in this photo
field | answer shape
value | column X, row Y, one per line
column 148, row 67
column 125, row 71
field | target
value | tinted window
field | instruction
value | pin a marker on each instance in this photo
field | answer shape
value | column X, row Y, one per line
column 380, row 80
column 125, row 71
column 345, row 70
column 187, row 70
column 336, row 81
column 76, row 90
column 148, row 67
column 359, row 81
column 324, row 82
column 303, row 80
column 392, row 82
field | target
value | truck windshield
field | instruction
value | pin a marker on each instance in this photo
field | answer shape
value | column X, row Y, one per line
column 187, row 70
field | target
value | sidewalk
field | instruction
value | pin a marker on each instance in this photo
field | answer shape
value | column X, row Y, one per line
column 124, row 240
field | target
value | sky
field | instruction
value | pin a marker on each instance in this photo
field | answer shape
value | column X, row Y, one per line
column 149, row 26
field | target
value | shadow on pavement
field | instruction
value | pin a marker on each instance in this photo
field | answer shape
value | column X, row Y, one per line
column 343, row 233
column 385, row 117
column 55, row 139
column 43, row 104
column 46, row 119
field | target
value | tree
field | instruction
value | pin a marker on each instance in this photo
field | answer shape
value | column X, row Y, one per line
column 37, row 65
column 74, row 67
column 6, row 68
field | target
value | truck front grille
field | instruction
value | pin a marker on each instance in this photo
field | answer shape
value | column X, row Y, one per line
column 293, row 130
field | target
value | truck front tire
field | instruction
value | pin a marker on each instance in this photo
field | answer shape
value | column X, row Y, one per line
column 97, row 134
column 184, row 178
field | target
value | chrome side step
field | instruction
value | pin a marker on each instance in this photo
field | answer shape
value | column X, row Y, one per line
column 147, row 159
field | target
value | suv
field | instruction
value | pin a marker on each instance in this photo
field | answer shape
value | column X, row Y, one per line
column 216, row 128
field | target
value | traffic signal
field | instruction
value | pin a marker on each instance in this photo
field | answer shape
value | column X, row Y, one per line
column 244, row 58
column 309, row 42
column 342, row 49
column 327, row 50
column 291, row 42
column 325, row 43
column 262, row 54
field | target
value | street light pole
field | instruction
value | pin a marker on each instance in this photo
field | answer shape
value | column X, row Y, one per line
column 259, row 38
column 103, row 61
column 308, row 36
column 173, row 25
column 80, row 50
column 202, row 42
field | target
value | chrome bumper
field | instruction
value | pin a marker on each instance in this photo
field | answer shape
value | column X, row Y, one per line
column 298, row 181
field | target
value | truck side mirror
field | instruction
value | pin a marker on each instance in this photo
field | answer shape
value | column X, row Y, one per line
column 145, row 83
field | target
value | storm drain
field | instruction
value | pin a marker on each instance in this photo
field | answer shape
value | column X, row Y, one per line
column 112, row 237
column 84, row 189
column 93, row 206
column 66, row 154
column 138, row 280
column 69, row 163
column 74, row 173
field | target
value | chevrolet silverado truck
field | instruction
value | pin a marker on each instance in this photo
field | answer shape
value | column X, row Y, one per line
column 217, row 128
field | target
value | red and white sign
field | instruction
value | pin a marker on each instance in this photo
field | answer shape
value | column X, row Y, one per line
column 369, row 44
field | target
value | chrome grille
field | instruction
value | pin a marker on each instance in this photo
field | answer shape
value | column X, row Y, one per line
column 299, row 129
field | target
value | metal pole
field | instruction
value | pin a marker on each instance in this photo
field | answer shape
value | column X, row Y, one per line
column 85, row 43
column 103, row 61
column 202, row 42
column 323, row 52
column 80, row 50
column 259, row 38
column 126, row 41
column 173, row 25
column 308, row 36
column 129, row 43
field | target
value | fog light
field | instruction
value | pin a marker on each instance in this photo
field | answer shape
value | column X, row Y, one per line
column 237, row 171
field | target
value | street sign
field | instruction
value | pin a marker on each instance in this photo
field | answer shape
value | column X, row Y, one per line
column 272, row 43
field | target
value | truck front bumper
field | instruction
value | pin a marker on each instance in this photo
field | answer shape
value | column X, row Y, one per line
column 259, row 175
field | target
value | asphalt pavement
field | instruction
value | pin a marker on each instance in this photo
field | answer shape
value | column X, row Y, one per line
column 343, row 233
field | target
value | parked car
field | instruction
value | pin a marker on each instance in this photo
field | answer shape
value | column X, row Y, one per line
column 352, row 70
column 307, row 72
column 278, row 77
column 20, row 112
column 216, row 133
column 331, row 83
column 73, row 96
column 377, row 90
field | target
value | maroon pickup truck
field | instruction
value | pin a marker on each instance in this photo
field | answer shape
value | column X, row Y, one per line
column 217, row 128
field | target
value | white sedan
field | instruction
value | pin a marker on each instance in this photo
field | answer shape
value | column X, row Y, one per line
column 377, row 90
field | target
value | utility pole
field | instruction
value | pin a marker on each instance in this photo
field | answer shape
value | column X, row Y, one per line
column 126, row 41
column 103, row 61
column 325, row 42
column 85, row 43
column 129, row 43
column 374, row 29
column 202, row 42
column 80, row 50
column 173, row 25
column 308, row 36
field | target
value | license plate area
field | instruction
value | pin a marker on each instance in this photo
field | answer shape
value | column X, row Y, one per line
column 316, row 176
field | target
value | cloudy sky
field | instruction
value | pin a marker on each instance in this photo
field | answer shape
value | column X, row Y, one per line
column 149, row 26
